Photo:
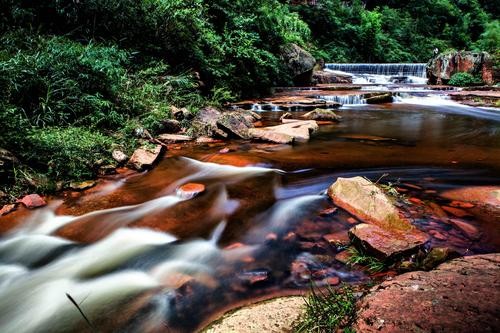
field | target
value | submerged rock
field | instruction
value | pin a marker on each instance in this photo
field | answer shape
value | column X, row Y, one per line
column 322, row 114
column 462, row 295
column 190, row 190
column 144, row 158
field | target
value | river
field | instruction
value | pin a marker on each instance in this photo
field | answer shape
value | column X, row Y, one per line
column 138, row 258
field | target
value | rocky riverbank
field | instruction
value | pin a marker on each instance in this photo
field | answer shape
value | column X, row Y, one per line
column 465, row 289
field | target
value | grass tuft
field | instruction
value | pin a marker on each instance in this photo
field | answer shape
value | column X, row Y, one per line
column 328, row 311
column 372, row 264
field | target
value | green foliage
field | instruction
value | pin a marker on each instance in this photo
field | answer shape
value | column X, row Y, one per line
column 490, row 39
column 328, row 311
column 464, row 80
column 357, row 257
column 393, row 31
column 55, row 82
column 67, row 153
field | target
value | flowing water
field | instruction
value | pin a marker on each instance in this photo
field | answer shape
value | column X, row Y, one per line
column 382, row 73
column 138, row 258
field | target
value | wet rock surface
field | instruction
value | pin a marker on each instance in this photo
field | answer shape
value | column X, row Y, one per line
column 368, row 202
column 290, row 131
column 386, row 244
column 462, row 295
column 144, row 158
column 32, row 201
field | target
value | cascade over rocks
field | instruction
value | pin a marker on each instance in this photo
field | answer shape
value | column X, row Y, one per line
column 300, row 62
column 462, row 295
column 441, row 68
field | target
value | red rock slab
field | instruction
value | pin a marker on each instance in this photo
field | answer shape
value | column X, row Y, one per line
column 461, row 204
column 386, row 244
column 144, row 158
column 475, row 194
column 338, row 237
column 416, row 201
column 461, row 296
column 468, row 229
column 190, row 190
column 343, row 257
column 328, row 211
column 32, row 201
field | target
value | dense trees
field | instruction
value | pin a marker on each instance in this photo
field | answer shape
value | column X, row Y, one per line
column 394, row 31
column 77, row 72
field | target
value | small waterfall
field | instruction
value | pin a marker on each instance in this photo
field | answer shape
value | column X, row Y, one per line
column 345, row 99
column 416, row 70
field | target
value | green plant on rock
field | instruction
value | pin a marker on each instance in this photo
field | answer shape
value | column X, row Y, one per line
column 328, row 310
column 464, row 80
column 358, row 257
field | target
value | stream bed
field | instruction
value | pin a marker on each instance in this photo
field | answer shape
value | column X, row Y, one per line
column 138, row 258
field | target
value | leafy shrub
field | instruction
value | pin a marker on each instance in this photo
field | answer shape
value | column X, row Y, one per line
column 59, row 82
column 66, row 153
column 464, row 80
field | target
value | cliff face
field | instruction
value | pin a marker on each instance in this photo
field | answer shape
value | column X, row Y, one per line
column 441, row 68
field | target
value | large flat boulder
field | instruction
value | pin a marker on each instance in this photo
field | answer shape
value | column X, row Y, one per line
column 270, row 136
column 295, row 129
column 462, row 295
column 368, row 202
column 385, row 244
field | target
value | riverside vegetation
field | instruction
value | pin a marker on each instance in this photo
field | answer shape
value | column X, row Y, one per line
column 77, row 78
